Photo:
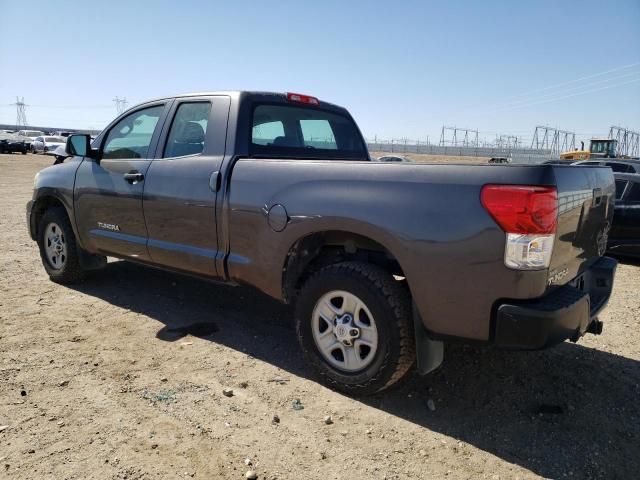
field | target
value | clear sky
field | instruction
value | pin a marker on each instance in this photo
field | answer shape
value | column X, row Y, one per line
column 402, row 68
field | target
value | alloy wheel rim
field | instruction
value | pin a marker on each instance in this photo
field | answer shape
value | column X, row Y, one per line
column 344, row 331
column 55, row 246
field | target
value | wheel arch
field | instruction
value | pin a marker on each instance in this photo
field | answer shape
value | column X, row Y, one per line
column 318, row 249
column 44, row 201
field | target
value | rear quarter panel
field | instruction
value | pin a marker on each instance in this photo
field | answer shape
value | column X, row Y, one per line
column 428, row 216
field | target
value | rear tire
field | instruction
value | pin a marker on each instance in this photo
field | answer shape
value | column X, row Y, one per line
column 58, row 249
column 354, row 326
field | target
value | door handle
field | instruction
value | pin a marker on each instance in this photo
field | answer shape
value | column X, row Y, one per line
column 133, row 177
column 214, row 181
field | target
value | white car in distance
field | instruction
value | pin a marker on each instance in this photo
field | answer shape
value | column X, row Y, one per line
column 47, row 144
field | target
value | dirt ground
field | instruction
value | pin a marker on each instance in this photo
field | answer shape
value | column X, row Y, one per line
column 121, row 377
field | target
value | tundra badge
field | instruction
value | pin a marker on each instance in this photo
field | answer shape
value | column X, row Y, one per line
column 109, row 226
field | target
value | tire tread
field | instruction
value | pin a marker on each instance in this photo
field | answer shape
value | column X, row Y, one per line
column 397, row 297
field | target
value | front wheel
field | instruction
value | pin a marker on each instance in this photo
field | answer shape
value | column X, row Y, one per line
column 354, row 325
column 58, row 249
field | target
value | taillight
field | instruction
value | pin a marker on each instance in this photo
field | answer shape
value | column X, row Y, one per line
column 297, row 97
column 528, row 215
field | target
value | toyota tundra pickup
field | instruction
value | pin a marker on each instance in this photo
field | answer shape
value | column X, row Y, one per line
column 384, row 262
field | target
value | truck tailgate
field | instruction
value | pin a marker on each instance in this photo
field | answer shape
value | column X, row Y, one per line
column 586, row 198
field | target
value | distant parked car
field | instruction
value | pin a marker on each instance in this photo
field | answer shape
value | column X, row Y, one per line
column 47, row 144
column 627, row 165
column 508, row 159
column 624, row 237
column 62, row 134
column 30, row 135
column 395, row 158
column 10, row 142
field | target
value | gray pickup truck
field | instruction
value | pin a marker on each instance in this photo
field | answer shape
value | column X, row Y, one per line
column 383, row 261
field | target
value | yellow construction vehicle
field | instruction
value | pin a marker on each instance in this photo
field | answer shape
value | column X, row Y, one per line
column 598, row 148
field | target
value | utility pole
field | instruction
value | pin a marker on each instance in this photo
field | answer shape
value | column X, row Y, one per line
column 121, row 104
column 21, row 112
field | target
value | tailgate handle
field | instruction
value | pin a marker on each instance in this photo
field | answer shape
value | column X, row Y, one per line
column 597, row 197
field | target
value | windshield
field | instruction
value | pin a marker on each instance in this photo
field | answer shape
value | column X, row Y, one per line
column 299, row 132
column 55, row 139
column 603, row 146
column 33, row 133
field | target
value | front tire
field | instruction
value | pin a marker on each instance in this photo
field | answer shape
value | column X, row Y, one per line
column 354, row 326
column 58, row 249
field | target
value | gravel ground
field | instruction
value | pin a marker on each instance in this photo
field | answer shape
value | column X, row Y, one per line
column 123, row 376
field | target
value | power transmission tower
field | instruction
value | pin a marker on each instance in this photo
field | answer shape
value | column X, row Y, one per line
column 460, row 137
column 553, row 139
column 121, row 104
column 507, row 141
column 628, row 141
column 21, row 112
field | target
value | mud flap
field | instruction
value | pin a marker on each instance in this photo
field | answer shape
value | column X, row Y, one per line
column 429, row 353
column 91, row 262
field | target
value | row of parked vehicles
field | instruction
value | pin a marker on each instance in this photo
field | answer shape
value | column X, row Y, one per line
column 34, row 141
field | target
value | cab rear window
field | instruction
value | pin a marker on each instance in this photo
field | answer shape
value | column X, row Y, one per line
column 283, row 131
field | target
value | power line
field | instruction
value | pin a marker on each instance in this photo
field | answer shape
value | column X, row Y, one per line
column 599, row 74
column 572, row 89
column 562, row 97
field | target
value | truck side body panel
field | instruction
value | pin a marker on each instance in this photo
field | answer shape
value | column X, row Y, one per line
column 428, row 216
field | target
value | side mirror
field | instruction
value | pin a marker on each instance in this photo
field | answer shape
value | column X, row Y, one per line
column 79, row 145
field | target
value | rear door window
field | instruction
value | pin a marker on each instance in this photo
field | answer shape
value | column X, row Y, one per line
column 188, row 130
column 287, row 131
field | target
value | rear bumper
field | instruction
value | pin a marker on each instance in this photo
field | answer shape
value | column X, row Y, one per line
column 566, row 313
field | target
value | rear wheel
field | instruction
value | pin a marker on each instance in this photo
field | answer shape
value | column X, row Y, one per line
column 58, row 249
column 354, row 326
